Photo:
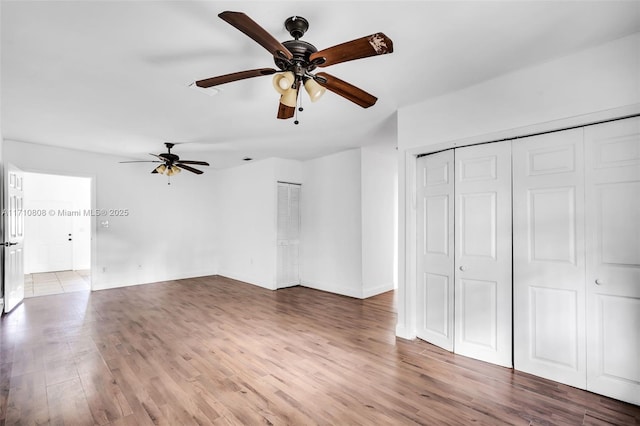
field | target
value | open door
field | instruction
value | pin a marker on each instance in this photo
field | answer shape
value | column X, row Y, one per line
column 14, row 238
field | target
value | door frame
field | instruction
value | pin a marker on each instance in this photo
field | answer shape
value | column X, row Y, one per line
column 94, row 222
column 407, row 218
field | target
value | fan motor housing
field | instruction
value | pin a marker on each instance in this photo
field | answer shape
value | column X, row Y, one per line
column 171, row 158
column 301, row 50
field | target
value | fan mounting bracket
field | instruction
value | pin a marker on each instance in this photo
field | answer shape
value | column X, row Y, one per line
column 297, row 26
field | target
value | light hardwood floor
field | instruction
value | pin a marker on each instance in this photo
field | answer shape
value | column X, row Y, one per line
column 212, row 350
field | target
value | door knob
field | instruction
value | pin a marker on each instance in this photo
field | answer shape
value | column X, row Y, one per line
column 462, row 268
column 7, row 244
column 598, row 282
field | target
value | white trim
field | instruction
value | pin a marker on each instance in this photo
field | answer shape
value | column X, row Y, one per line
column 403, row 333
column 356, row 293
column 544, row 127
column 244, row 279
column 370, row 292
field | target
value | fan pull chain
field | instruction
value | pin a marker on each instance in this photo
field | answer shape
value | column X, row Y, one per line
column 299, row 109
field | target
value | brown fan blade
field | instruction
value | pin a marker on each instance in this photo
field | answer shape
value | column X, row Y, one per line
column 191, row 169
column 197, row 163
column 346, row 90
column 228, row 78
column 371, row 45
column 256, row 32
column 154, row 171
column 285, row 111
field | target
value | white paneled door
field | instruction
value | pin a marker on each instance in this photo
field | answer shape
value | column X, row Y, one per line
column 288, row 252
column 435, row 249
column 483, row 251
column 613, row 258
column 50, row 237
column 549, row 256
column 14, row 238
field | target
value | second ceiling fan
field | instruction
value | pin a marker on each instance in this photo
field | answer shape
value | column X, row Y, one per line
column 296, row 59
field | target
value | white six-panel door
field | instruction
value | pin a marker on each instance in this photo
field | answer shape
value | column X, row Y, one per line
column 483, row 250
column 435, row 249
column 576, row 255
column 613, row 258
column 14, row 238
column 549, row 256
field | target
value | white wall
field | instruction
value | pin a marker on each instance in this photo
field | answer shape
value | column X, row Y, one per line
column 331, row 224
column 600, row 82
column 169, row 232
column 596, row 79
column 43, row 191
column 224, row 222
column 247, row 231
column 379, row 170
column 348, row 221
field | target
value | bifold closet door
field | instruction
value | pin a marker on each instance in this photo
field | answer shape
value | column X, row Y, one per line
column 288, row 252
column 483, row 282
column 613, row 258
column 434, row 188
column 549, row 257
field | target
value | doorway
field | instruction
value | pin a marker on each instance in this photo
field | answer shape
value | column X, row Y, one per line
column 57, row 213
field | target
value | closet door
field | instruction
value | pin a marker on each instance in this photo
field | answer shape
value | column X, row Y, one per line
column 483, row 252
column 288, row 268
column 435, row 249
column 613, row 258
column 548, row 256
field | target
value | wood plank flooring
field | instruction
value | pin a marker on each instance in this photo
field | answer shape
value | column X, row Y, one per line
column 212, row 350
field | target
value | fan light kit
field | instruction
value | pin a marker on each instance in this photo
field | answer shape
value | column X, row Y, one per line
column 171, row 164
column 296, row 59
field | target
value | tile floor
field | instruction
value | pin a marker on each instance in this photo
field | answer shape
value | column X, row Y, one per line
column 47, row 283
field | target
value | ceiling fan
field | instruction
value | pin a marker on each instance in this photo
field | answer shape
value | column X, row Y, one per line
column 171, row 164
column 296, row 59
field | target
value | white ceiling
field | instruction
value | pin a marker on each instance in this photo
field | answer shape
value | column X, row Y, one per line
column 113, row 76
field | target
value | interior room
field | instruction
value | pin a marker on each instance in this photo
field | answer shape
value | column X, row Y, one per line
column 57, row 249
column 367, row 212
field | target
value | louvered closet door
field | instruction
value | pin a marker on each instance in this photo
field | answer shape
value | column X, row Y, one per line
column 288, row 268
column 483, row 252
column 435, row 249
column 613, row 258
column 549, row 256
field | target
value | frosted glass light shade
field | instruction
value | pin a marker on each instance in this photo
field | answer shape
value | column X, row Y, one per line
column 289, row 98
column 314, row 90
column 283, row 81
column 173, row 170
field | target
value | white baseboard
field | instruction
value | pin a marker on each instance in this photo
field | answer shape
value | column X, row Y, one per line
column 356, row 293
column 244, row 279
column 128, row 281
column 370, row 292
column 404, row 333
